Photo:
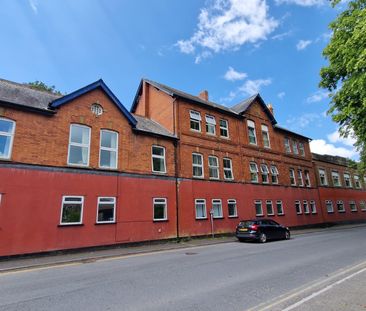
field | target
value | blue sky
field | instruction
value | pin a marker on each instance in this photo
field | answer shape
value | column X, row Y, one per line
column 232, row 48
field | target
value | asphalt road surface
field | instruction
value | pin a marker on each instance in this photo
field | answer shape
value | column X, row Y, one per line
column 316, row 271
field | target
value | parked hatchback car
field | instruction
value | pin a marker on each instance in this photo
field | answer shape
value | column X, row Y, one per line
column 261, row 230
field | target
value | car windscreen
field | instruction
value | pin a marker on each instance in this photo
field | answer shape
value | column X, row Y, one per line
column 247, row 223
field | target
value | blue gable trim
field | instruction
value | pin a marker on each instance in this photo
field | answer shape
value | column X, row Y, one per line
column 97, row 84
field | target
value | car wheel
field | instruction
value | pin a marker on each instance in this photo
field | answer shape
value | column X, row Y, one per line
column 287, row 235
column 262, row 238
column 241, row 240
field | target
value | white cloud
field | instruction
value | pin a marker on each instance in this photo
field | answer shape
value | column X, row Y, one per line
column 336, row 138
column 303, row 44
column 317, row 96
column 281, row 95
column 302, row 2
column 233, row 75
column 281, row 36
column 303, row 120
column 34, row 5
column 227, row 25
column 251, row 87
column 322, row 147
column 203, row 55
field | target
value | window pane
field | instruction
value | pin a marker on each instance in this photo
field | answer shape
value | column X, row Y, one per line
column 78, row 155
column 232, row 208
column 105, row 212
column 6, row 126
column 158, row 165
column 197, row 159
column 79, row 134
column 109, row 139
column 108, row 158
column 4, row 146
column 159, row 209
column 71, row 213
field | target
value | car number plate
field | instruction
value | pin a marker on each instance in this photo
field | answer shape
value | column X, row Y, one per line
column 243, row 229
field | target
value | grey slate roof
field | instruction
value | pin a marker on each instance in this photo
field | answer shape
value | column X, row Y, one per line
column 20, row 94
column 244, row 105
column 150, row 126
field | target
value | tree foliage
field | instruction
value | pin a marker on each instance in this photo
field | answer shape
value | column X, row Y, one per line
column 40, row 86
column 345, row 75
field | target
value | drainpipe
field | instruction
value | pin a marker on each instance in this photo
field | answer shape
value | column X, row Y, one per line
column 176, row 173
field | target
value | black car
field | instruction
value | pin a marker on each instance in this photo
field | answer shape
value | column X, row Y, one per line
column 261, row 230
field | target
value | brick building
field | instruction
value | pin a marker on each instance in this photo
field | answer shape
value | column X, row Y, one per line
column 81, row 170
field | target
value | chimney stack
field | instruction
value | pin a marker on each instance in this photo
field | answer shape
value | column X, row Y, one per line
column 270, row 108
column 203, row 95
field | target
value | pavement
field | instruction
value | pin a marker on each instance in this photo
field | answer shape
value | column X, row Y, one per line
column 86, row 256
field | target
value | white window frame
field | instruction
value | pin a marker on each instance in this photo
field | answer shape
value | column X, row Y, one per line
column 210, row 125
column 322, row 173
column 362, row 206
column 312, row 207
column 269, row 204
column 11, row 135
column 287, row 145
column 298, row 207
column 280, row 211
column 213, row 167
column 307, row 179
column 301, row 149
column 217, row 203
column 112, row 201
column 233, row 202
column 300, row 179
column 294, row 147
column 74, row 202
column 108, row 149
column 343, row 210
column 336, row 174
column 251, row 125
column 352, row 206
column 160, row 201
column 261, row 207
column 79, row 145
column 292, row 176
column 158, row 157
column 265, row 172
column 329, row 206
column 356, row 179
column 195, row 116
column 253, row 168
column 224, row 128
column 347, row 179
column 228, row 169
column 274, row 174
column 305, row 205
column 265, row 133
column 197, row 165
column 200, row 201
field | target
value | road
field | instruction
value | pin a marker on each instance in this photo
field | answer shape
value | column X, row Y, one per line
column 229, row 276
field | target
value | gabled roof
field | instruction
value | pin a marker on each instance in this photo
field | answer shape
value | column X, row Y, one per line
column 23, row 96
column 149, row 126
column 180, row 94
column 290, row 132
column 97, row 84
column 243, row 106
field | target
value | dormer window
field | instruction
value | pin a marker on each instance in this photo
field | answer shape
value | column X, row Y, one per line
column 195, row 120
column 251, row 132
column 302, row 149
column 224, row 128
column 287, row 145
column 210, row 125
column 294, row 147
column 265, row 136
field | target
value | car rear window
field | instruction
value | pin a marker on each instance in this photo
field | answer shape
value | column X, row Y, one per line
column 247, row 223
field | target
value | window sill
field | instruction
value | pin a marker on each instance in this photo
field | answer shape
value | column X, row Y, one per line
column 204, row 218
column 261, row 215
column 159, row 173
column 235, row 216
column 270, row 214
column 198, row 177
column 341, row 211
column 354, row 211
column 225, row 137
column 211, row 134
column 105, row 223
column 219, row 217
column 283, row 214
column 160, row 220
column 70, row 225
column 330, row 212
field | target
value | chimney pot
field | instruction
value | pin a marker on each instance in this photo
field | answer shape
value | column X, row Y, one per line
column 270, row 108
column 203, row 95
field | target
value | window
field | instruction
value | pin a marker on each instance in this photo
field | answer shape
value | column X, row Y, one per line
column 71, row 210
column 251, row 132
column 228, row 171
column 197, row 165
column 217, row 208
column 302, row 149
column 299, row 178
column 265, row 172
column 353, row 206
column 340, row 207
column 306, row 207
column 213, row 167
column 108, row 149
column 210, row 125
column 79, row 145
column 292, row 177
column 323, row 177
column 158, row 159
column 312, row 207
column 265, row 136
column 363, row 206
column 298, row 207
column 357, row 182
column 307, row 179
column 287, row 145
column 224, row 128
column 335, row 178
column 279, row 207
column 106, row 210
column 200, row 206
column 258, row 208
column 160, row 210
column 274, row 172
column 269, row 207
column 253, row 172
column 294, row 147
column 232, row 209
column 195, row 118
column 347, row 180
column 329, row 206
column 7, row 129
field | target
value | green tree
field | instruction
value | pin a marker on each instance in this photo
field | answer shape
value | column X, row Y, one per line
column 40, row 86
column 345, row 75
